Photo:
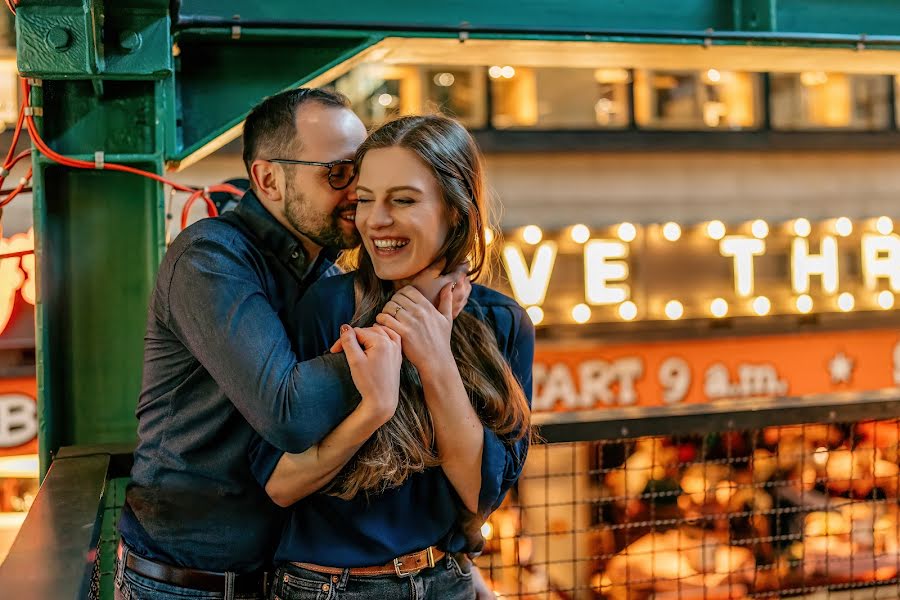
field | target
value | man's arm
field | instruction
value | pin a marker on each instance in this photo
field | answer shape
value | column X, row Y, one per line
column 289, row 477
column 220, row 312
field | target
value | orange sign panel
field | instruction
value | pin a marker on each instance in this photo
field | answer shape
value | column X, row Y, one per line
column 587, row 377
column 18, row 416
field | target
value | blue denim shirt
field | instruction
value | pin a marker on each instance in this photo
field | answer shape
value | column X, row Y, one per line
column 219, row 368
column 425, row 510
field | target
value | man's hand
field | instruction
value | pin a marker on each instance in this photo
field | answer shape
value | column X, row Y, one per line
column 424, row 329
column 482, row 591
column 430, row 282
column 375, row 367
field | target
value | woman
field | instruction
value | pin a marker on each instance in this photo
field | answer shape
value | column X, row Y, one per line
column 436, row 443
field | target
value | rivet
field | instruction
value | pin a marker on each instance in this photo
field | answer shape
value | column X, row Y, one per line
column 59, row 38
column 295, row 254
column 334, row 579
column 325, row 587
column 130, row 40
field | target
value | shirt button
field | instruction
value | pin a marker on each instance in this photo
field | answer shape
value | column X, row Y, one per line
column 325, row 587
column 295, row 255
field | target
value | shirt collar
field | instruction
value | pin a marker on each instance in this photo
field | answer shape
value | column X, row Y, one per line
column 274, row 236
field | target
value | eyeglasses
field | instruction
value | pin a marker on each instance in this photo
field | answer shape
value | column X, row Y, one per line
column 340, row 172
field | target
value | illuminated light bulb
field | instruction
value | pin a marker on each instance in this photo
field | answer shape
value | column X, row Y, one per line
column 843, row 226
column 536, row 313
column 385, row 99
column 846, row 302
column 802, row 227
column 674, row 309
column 532, row 234
column 718, row 308
column 496, row 72
column 761, row 305
column 804, row 304
column 886, row 299
column 884, row 225
column 715, row 230
column 714, row 76
column 508, row 72
column 820, row 457
column 488, row 236
column 581, row 313
column 580, row 233
column 759, row 228
column 672, row 231
column 627, row 311
column 626, row 232
column 487, row 530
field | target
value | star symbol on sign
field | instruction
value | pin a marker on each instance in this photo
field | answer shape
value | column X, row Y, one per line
column 841, row 368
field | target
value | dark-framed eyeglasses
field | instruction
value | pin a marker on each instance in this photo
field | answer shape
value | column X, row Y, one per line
column 340, row 172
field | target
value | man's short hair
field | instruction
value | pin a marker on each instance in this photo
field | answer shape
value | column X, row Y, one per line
column 270, row 127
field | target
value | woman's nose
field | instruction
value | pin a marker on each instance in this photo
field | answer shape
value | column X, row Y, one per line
column 380, row 216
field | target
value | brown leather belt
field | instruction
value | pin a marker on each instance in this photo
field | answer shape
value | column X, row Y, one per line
column 207, row 581
column 402, row 566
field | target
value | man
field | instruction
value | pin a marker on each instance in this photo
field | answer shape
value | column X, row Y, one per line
column 219, row 364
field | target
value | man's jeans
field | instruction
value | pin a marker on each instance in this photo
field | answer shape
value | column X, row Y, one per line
column 447, row 580
column 131, row 586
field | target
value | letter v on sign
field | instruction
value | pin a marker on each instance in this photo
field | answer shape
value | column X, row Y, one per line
column 529, row 285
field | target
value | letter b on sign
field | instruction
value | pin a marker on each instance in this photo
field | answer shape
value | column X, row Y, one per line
column 18, row 420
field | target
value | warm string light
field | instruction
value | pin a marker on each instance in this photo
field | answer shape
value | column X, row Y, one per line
column 759, row 229
column 536, row 313
column 715, row 230
column 718, row 308
column 672, row 231
column 532, row 234
column 626, row 232
column 580, row 233
column 761, row 305
column 802, row 227
column 581, row 313
column 804, row 304
column 843, row 226
column 884, row 225
column 886, row 300
column 674, row 310
column 627, row 311
column 846, row 302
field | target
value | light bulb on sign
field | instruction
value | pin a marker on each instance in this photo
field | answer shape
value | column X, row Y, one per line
column 488, row 236
column 532, row 234
column 759, row 228
column 804, row 304
column 718, row 308
column 581, row 313
column 846, row 302
column 884, row 225
column 843, row 226
column 886, row 300
column 674, row 309
column 672, row 231
column 536, row 313
column 487, row 530
column 802, row 227
column 496, row 72
column 715, row 230
column 626, row 232
column 761, row 305
column 580, row 233
column 627, row 311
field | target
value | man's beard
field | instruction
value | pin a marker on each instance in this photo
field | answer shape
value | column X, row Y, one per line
column 324, row 230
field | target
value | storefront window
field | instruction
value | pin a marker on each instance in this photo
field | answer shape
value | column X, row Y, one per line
column 557, row 98
column 820, row 100
column 380, row 92
column 710, row 99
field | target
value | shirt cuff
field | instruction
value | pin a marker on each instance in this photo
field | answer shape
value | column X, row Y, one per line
column 493, row 470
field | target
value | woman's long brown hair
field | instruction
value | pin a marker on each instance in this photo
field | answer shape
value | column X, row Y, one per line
column 405, row 444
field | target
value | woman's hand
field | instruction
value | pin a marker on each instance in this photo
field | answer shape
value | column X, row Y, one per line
column 424, row 329
column 375, row 367
column 430, row 282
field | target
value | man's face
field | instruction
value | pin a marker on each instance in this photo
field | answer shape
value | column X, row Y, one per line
column 311, row 206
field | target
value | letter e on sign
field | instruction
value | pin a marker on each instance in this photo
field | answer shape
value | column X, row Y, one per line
column 18, row 420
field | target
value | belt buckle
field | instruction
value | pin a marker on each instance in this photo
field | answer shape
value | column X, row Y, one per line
column 398, row 566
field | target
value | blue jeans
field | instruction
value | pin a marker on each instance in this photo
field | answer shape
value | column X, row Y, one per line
column 447, row 580
column 131, row 586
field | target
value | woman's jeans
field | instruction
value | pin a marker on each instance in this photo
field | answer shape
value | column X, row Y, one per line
column 448, row 579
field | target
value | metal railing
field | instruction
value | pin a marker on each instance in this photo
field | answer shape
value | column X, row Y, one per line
column 586, row 514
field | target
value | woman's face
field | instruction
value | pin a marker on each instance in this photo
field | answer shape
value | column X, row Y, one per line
column 401, row 215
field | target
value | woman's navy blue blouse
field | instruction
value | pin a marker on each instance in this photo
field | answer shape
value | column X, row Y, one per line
column 424, row 511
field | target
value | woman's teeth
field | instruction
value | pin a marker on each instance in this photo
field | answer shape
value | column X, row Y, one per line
column 390, row 244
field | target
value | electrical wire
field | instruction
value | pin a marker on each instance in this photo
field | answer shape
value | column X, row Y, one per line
column 11, row 5
column 43, row 148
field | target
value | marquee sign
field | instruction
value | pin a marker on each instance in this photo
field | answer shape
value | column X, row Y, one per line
column 688, row 372
column 666, row 272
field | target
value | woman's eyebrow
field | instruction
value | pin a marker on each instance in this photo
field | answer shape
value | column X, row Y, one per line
column 398, row 188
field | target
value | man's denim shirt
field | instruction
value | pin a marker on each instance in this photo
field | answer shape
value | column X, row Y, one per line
column 219, row 364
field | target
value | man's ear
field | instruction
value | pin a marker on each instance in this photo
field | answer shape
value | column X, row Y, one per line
column 267, row 180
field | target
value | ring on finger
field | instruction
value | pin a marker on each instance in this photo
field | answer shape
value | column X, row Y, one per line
column 397, row 310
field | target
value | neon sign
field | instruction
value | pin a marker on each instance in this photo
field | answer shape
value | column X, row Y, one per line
column 17, row 274
column 711, row 270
